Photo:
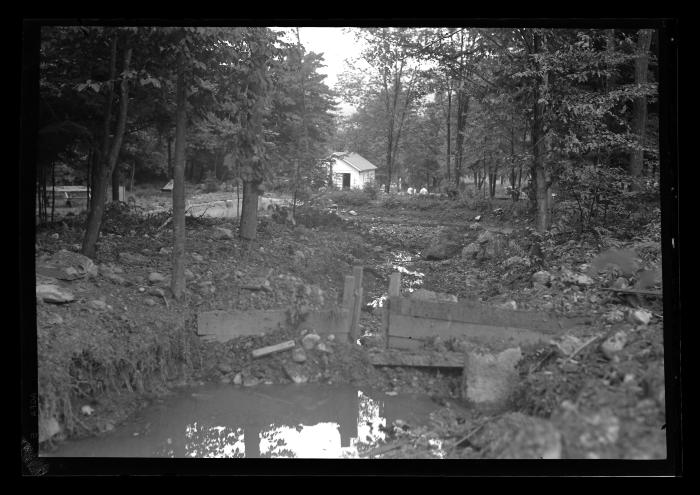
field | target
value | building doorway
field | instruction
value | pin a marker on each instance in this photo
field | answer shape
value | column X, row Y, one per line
column 346, row 181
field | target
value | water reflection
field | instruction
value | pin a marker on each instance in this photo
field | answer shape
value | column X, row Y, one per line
column 312, row 421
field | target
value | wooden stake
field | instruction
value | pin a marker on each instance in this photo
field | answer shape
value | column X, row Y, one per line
column 348, row 296
column 394, row 291
column 357, row 304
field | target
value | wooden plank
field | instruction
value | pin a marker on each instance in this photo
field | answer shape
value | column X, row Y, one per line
column 357, row 304
column 227, row 325
column 472, row 312
column 422, row 360
column 394, row 291
column 329, row 321
column 354, row 325
column 348, row 288
column 282, row 346
column 418, row 329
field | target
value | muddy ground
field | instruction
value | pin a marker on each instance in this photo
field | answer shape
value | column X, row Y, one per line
column 123, row 340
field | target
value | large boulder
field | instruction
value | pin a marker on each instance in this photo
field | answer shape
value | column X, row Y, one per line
column 54, row 294
column 67, row 265
column 490, row 379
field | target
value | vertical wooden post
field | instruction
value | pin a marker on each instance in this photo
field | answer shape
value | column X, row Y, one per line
column 394, row 291
column 348, row 296
column 355, row 315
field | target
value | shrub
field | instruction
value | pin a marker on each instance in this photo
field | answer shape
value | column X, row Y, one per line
column 211, row 184
column 370, row 190
column 352, row 197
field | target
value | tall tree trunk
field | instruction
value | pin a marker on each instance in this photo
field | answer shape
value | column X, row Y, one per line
column 249, row 209
column 538, row 152
column 177, row 284
column 111, row 149
column 115, row 184
column 170, row 158
column 639, row 108
column 53, row 189
column 449, row 130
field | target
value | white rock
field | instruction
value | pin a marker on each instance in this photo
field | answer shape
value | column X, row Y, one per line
column 541, row 277
column 155, row 277
column 238, row 379
column 53, row 294
column 641, row 316
column 352, row 212
column 310, row 340
column 614, row 344
column 323, row 347
column 87, row 410
column 99, row 305
column 614, row 316
column 299, row 355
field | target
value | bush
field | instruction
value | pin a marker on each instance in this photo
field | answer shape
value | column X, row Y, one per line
column 370, row 190
column 351, row 197
column 211, row 184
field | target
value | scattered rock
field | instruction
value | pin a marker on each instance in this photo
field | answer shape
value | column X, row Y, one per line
column 188, row 274
column 516, row 260
column 165, row 251
column 490, row 379
column 224, row 233
column 133, row 258
column 310, row 340
column 54, row 294
column 477, row 218
column 323, row 347
column 156, row 277
column 149, row 302
column 620, row 283
column 614, row 344
column 67, row 265
column 568, row 345
column 54, row 319
column 541, row 278
column 98, row 305
column 299, row 355
column 352, row 212
column 224, row 368
column 156, row 291
column 197, row 257
column 294, row 372
column 640, row 316
column 86, row 410
column 238, row 379
column 470, row 250
column 250, row 381
column 614, row 316
column 512, row 305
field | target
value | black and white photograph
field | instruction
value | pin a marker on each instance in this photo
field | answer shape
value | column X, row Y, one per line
column 395, row 241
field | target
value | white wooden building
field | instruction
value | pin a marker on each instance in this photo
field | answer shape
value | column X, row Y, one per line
column 350, row 170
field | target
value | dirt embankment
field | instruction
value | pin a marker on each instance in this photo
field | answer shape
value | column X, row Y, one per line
column 123, row 337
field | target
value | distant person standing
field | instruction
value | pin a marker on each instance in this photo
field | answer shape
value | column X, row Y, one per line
column 423, row 191
column 411, row 191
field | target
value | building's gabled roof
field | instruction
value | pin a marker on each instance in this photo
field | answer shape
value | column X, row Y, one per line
column 356, row 161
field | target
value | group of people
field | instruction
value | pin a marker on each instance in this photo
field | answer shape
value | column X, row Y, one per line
column 422, row 192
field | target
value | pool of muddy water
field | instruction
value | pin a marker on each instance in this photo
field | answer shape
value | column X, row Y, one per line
column 305, row 421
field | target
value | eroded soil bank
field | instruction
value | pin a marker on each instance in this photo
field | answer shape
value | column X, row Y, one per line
column 122, row 342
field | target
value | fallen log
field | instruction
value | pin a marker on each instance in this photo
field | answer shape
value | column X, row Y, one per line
column 282, row 346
